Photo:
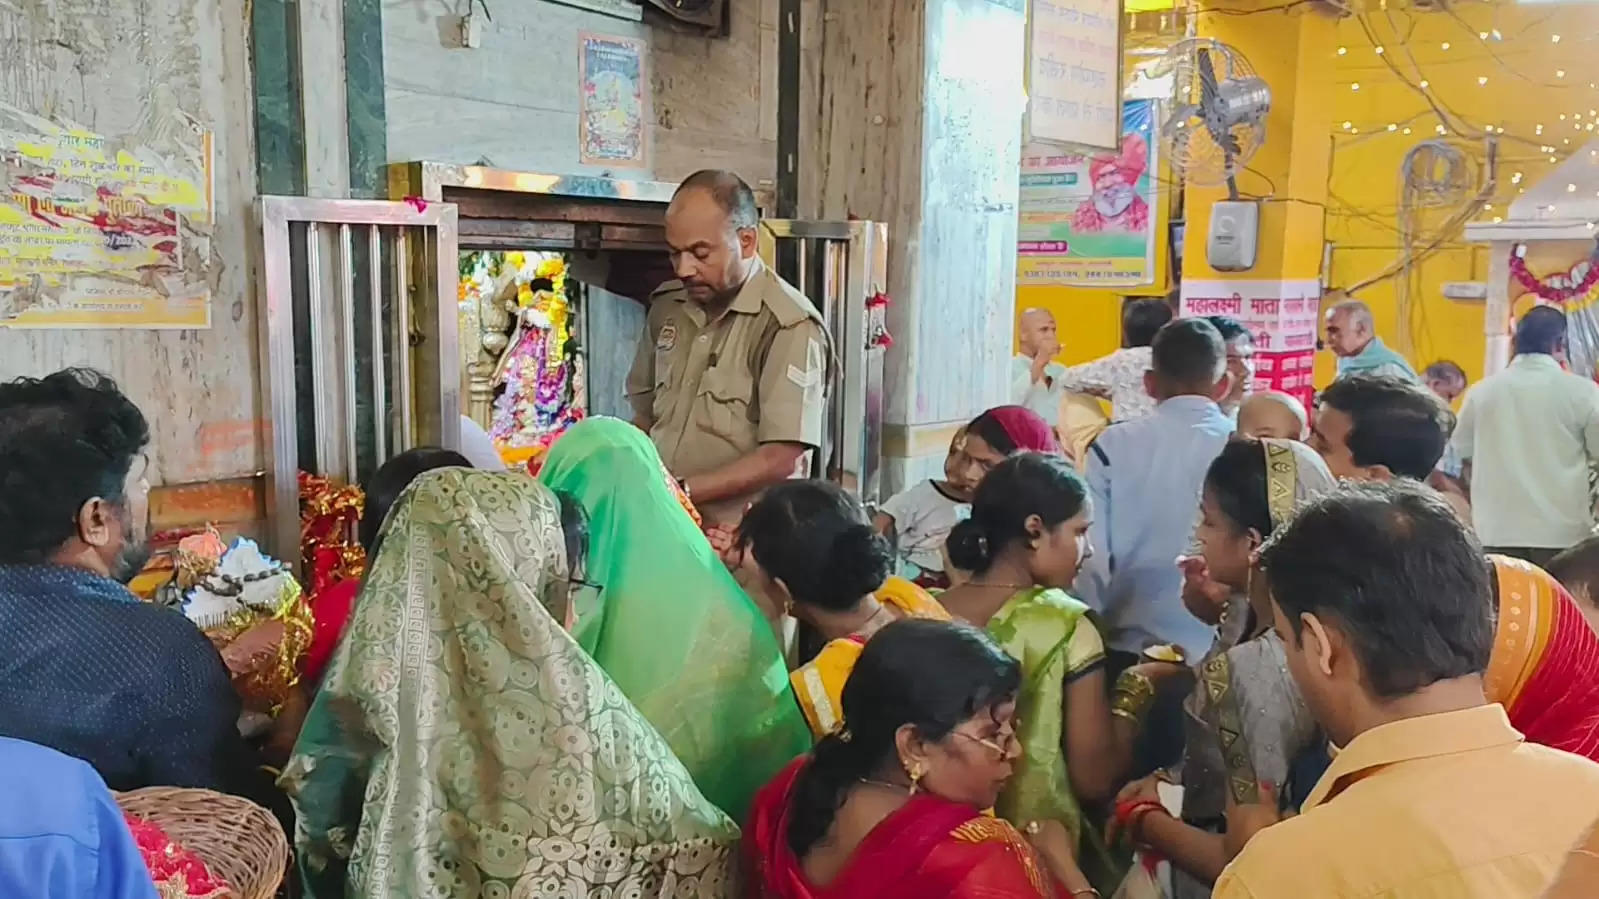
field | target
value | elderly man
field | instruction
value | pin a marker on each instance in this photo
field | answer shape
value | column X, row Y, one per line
column 132, row 688
column 1035, row 375
column 1352, row 336
column 730, row 380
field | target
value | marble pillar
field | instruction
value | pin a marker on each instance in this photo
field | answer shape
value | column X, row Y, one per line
column 917, row 110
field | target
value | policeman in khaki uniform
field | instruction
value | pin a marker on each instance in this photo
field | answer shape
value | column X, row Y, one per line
column 730, row 380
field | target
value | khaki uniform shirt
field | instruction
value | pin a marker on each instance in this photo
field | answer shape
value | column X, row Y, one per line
column 712, row 392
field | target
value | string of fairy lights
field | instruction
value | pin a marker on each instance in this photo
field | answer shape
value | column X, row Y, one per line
column 1519, row 151
column 1458, row 165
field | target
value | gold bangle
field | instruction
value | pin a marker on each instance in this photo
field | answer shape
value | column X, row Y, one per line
column 1087, row 891
column 1133, row 695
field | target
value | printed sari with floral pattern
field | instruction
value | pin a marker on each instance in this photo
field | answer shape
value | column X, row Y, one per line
column 464, row 745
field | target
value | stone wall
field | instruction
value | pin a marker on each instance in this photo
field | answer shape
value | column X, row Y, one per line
column 512, row 103
column 146, row 73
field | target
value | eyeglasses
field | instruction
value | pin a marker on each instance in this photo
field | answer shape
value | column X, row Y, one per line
column 1009, row 741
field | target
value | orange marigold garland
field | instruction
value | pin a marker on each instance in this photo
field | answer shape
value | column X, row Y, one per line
column 683, row 499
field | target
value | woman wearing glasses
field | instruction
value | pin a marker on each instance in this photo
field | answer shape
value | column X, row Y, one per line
column 889, row 805
column 660, row 613
column 464, row 745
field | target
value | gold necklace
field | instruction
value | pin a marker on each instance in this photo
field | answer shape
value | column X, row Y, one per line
column 883, row 783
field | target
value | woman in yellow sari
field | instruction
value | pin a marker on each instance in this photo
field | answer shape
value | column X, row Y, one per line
column 810, row 550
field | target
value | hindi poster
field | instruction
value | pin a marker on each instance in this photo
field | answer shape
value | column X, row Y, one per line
column 611, row 102
column 1074, row 68
column 101, row 232
column 1089, row 219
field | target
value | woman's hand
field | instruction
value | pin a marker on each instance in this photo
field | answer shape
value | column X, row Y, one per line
column 1143, row 792
column 1244, row 821
column 1160, row 672
column 1054, row 845
column 725, row 541
column 1204, row 598
column 1051, row 839
column 1146, row 787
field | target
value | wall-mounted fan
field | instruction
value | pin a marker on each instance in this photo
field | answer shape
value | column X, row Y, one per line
column 1218, row 114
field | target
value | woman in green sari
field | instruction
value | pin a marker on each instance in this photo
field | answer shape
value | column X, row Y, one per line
column 669, row 624
column 463, row 745
column 1024, row 542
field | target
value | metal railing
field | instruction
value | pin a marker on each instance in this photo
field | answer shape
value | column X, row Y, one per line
column 359, row 342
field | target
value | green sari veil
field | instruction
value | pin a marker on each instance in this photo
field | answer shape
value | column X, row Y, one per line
column 463, row 746
column 684, row 642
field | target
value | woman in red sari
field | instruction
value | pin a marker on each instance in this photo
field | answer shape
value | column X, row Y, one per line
column 331, row 608
column 1545, row 664
column 889, row 805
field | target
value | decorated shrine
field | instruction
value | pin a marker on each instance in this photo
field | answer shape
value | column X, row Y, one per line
column 525, row 307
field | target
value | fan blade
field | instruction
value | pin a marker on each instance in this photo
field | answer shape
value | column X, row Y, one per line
column 1207, row 81
column 1182, row 118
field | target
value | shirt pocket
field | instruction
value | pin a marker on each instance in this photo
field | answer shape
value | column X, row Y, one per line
column 725, row 395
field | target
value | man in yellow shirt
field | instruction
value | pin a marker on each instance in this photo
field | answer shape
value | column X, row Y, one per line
column 1383, row 603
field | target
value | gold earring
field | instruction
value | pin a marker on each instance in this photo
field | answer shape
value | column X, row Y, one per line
column 916, row 771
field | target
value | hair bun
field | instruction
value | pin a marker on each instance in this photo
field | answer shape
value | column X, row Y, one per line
column 860, row 558
column 968, row 546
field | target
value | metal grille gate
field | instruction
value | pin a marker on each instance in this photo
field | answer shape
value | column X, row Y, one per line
column 359, row 343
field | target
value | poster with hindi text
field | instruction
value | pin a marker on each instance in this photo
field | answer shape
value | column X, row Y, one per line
column 1283, row 317
column 105, row 232
column 1087, row 218
column 1074, row 84
column 611, row 101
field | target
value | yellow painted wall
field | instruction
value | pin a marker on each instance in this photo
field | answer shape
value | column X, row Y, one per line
column 1523, row 90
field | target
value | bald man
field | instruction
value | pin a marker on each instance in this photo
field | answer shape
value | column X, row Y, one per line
column 1352, row 336
column 1273, row 414
column 1035, row 376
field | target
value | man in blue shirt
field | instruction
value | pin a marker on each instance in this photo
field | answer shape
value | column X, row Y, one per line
column 62, row 836
column 86, row 668
column 1145, row 477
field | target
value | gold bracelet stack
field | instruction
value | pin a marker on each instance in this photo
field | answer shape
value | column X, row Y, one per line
column 1133, row 695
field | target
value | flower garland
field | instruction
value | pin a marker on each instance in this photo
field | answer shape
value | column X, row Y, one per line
column 329, row 518
column 1578, row 281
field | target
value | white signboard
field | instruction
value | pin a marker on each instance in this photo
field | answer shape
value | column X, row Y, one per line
column 1074, row 92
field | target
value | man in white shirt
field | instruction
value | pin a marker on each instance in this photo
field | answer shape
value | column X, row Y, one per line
column 1035, row 376
column 1528, row 436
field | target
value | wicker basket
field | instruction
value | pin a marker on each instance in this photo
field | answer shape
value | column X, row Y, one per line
column 238, row 840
